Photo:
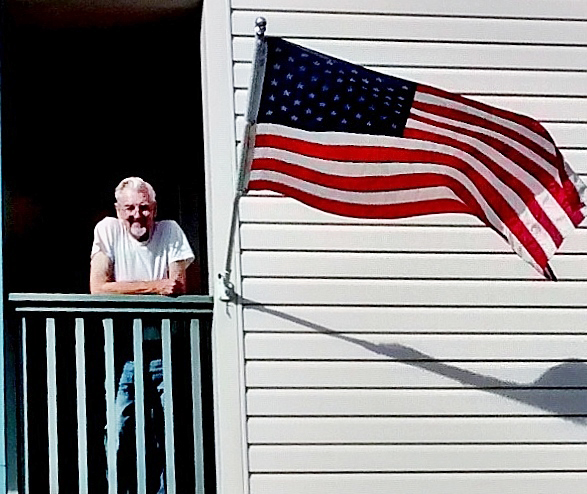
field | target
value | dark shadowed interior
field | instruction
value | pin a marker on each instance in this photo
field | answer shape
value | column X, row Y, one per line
column 91, row 96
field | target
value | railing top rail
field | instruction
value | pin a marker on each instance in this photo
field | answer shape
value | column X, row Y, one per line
column 74, row 302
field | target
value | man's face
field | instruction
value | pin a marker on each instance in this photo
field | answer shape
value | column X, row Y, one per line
column 137, row 213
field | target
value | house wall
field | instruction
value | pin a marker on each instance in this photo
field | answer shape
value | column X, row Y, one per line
column 415, row 355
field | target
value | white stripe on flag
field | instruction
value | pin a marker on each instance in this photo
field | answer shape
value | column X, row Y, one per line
column 517, row 145
column 352, row 197
column 341, row 138
column 509, row 195
column 378, row 169
column 393, row 197
column 549, row 204
column 510, row 124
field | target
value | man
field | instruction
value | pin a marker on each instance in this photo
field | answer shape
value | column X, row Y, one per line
column 134, row 254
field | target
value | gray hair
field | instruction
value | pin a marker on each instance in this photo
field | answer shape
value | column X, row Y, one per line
column 135, row 183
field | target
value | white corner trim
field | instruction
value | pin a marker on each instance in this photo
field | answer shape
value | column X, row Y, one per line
column 221, row 170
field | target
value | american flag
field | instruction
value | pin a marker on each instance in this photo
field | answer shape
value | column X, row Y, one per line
column 354, row 142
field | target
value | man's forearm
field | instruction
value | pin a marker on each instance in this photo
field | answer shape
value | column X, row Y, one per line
column 130, row 287
column 102, row 280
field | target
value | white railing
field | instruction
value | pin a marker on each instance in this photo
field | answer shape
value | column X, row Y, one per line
column 72, row 350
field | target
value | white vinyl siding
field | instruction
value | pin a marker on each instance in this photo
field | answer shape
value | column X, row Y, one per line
column 417, row 355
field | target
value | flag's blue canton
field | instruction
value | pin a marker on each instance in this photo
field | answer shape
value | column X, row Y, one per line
column 311, row 91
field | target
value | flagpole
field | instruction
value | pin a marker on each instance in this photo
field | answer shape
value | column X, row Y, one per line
column 226, row 287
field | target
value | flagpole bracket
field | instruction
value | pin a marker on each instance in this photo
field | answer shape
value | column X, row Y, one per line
column 225, row 287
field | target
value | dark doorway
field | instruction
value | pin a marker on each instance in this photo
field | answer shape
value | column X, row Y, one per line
column 85, row 105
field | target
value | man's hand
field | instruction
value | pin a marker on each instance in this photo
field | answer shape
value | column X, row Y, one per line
column 170, row 287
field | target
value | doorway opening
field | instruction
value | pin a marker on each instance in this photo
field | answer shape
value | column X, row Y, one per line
column 84, row 105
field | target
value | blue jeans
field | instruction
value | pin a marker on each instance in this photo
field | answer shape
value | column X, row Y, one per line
column 154, row 429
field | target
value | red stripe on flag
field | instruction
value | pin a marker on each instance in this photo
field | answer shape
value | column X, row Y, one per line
column 568, row 197
column 380, row 154
column 504, row 210
column 408, row 181
column 523, row 120
column 461, row 116
column 517, row 185
column 575, row 203
column 336, row 152
column 373, row 211
column 531, row 166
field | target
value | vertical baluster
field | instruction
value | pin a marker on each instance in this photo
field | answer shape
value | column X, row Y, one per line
column 25, row 405
column 139, row 406
column 111, row 416
column 197, row 405
column 82, row 420
column 52, row 406
column 168, row 406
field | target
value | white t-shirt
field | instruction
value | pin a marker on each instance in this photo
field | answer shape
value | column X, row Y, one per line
column 141, row 261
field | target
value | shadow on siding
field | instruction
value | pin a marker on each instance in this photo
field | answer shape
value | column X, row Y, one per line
column 543, row 393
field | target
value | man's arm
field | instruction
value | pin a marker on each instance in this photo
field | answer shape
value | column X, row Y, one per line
column 102, row 280
column 177, row 271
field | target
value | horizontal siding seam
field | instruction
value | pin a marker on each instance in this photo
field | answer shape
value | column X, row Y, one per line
column 421, row 416
column 423, row 444
column 426, row 40
column 266, row 10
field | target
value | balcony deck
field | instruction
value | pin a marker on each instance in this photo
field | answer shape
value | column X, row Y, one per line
column 70, row 352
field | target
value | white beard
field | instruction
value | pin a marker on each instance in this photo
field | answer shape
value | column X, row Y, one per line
column 137, row 231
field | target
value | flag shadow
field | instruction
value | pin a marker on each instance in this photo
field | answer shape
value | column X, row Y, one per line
column 543, row 393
